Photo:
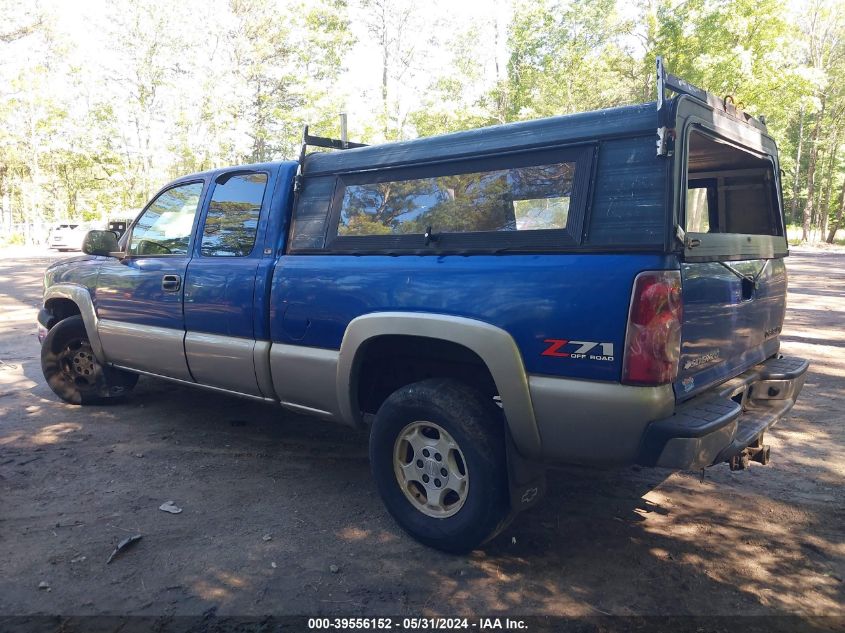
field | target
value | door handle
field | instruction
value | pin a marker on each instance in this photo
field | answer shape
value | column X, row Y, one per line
column 171, row 283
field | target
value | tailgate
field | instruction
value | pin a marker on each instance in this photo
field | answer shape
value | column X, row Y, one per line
column 732, row 271
column 733, row 313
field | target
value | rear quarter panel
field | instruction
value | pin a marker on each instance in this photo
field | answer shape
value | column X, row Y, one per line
column 535, row 298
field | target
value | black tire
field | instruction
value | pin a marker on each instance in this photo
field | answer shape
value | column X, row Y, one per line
column 476, row 425
column 73, row 372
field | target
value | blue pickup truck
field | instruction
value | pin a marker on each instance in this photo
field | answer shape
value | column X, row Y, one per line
column 604, row 288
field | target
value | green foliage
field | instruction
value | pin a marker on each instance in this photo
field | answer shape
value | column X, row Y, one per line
column 743, row 48
column 14, row 239
column 196, row 85
column 286, row 66
column 770, row 58
column 94, row 138
column 564, row 57
column 459, row 100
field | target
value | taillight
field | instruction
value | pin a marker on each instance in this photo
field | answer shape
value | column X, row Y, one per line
column 653, row 341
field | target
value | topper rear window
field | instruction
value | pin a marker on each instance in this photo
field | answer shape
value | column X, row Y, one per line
column 729, row 190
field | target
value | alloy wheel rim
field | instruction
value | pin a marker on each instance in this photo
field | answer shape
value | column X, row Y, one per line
column 430, row 469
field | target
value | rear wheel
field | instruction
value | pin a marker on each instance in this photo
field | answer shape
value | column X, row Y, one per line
column 437, row 453
column 73, row 372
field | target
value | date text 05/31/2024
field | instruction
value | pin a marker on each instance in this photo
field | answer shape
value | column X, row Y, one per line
column 417, row 624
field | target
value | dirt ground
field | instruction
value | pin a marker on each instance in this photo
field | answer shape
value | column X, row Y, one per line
column 280, row 515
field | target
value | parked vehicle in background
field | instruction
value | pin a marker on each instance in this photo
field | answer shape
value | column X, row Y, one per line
column 118, row 227
column 68, row 236
column 604, row 288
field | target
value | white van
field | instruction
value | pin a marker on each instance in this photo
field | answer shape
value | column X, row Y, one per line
column 68, row 236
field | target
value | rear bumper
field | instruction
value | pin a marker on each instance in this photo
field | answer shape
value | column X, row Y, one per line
column 720, row 423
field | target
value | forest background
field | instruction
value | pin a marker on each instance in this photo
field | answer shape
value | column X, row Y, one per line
column 103, row 102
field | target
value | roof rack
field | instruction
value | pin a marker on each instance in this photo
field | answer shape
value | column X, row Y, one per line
column 667, row 81
column 322, row 141
column 332, row 143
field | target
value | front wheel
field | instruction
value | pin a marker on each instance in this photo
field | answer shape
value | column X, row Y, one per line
column 437, row 454
column 73, row 372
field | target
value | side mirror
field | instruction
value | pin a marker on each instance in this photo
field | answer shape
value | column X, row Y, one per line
column 102, row 243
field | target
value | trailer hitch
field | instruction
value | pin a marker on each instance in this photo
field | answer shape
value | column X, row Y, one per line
column 757, row 452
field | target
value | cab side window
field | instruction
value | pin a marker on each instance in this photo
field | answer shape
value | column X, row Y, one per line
column 165, row 227
column 232, row 219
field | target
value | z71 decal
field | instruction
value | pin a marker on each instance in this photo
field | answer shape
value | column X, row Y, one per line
column 578, row 350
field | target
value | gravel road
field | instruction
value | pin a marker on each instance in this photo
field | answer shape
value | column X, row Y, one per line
column 279, row 515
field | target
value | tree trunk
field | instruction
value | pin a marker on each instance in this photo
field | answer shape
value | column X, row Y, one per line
column 811, row 178
column 819, row 187
column 837, row 220
column 259, row 142
column 797, row 176
column 385, row 63
column 825, row 208
column 808, row 207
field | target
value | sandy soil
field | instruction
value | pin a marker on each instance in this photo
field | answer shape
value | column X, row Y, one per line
column 272, row 502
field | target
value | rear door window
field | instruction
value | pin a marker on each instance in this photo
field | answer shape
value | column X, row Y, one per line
column 233, row 213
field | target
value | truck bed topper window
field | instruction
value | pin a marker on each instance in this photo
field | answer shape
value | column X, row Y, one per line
column 729, row 190
column 730, row 207
column 527, row 201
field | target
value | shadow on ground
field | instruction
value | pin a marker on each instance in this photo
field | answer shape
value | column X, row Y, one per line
column 272, row 503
